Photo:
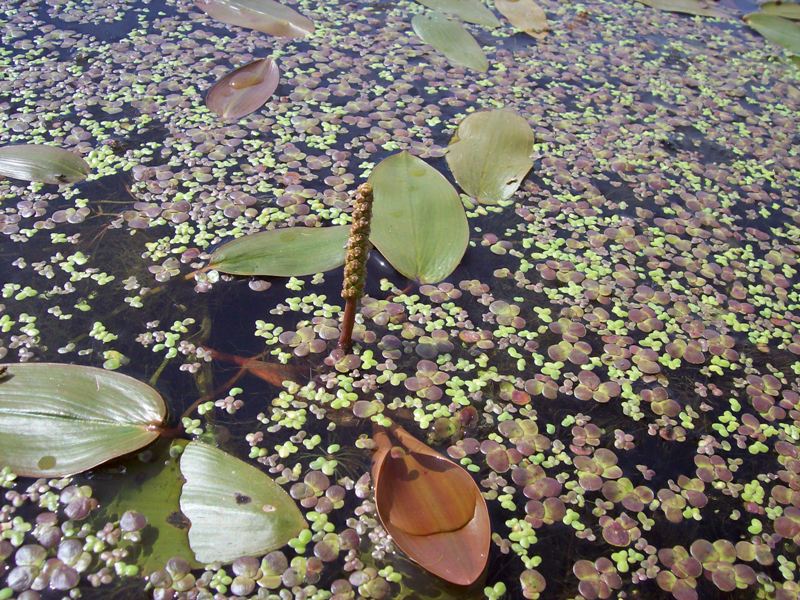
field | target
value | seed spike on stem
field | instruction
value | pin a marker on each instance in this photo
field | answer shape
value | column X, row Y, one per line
column 355, row 263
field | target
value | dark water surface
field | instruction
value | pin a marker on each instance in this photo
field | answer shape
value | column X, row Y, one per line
column 637, row 295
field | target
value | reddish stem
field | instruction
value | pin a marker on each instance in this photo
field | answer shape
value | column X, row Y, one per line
column 348, row 321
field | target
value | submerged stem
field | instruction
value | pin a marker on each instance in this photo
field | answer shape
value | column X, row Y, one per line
column 355, row 264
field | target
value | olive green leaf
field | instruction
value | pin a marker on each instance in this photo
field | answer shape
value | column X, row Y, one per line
column 471, row 11
column 451, row 39
column 234, row 508
column 490, row 154
column 267, row 16
column 418, row 221
column 153, row 489
column 43, row 164
column 286, row 252
column 58, row 419
column 702, row 8
column 789, row 10
column 777, row 30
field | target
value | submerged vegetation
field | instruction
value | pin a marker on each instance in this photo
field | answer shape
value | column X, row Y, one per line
column 571, row 271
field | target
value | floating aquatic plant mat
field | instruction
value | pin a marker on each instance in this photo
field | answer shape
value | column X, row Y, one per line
column 581, row 299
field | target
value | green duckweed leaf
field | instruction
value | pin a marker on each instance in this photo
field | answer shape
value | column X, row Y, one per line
column 152, row 489
column 234, row 508
column 418, row 221
column 788, row 10
column 451, row 39
column 57, row 419
column 43, row 164
column 471, row 11
column 702, row 8
column 777, row 30
column 490, row 154
column 286, row 252
column 267, row 16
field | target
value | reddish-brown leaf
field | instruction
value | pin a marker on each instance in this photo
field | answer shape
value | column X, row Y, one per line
column 265, row 15
column 244, row 90
column 431, row 507
column 273, row 373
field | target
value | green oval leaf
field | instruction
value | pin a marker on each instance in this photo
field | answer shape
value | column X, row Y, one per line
column 777, row 30
column 702, row 8
column 58, row 420
column 152, row 489
column 267, row 16
column 490, row 154
column 789, row 10
column 471, row 11
column 43, row 164
column 286, row 252
column 451, row 39
column 418, row 221
column 234, row 508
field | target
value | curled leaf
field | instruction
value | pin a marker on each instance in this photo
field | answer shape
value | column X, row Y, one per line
column 432, row 508
column 267, row 16
column 451, row 39
column 490, row 154
column 43, row 164
column 244, row 90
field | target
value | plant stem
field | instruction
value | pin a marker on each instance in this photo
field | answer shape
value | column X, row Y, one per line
column 348, row 321
column 355, row 264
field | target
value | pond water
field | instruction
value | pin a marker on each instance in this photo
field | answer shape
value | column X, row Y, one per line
column 615, row 359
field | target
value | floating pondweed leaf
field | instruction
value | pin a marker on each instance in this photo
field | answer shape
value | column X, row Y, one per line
column 244, row 90
column 262, row 15
column 471, row 11
column 788, row 10
column 286, row 252
column 431, row 507
column 418, row 221
column 153, row 489
column 234, row 508
column 525, row 15
column 777, row 30
column 43, row 164
column 490, row 154
column 702, row 8
column 57, row 419
column 451, row 39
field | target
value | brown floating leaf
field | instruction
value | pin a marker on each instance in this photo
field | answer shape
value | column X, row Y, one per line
column 244, row 90
column 431, row 507
column 525, row 15
column 262, row 15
